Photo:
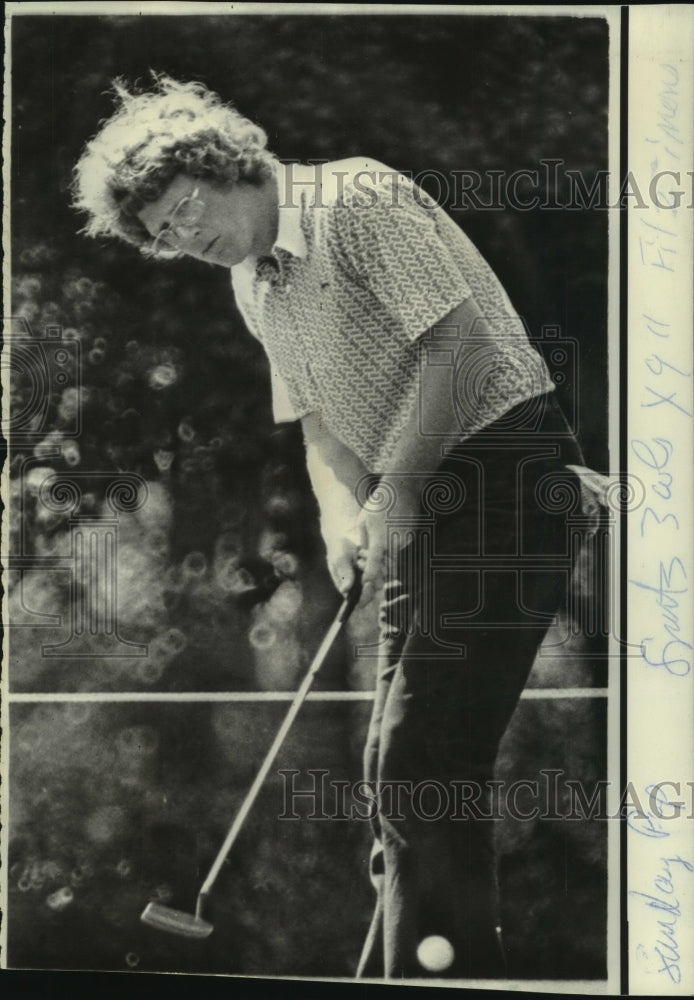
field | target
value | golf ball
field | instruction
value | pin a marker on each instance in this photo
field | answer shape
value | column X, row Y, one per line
column 435, row 953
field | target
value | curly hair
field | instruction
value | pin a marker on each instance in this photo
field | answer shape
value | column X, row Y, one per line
column 178, row 128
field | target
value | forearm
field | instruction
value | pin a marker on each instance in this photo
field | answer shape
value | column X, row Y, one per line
column 420, row 452
column 334, row 471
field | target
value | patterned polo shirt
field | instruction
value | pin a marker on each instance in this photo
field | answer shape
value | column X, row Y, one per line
column 365, row 262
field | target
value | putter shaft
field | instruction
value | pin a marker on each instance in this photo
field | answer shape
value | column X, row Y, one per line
column 193, row 925
column 343, row 614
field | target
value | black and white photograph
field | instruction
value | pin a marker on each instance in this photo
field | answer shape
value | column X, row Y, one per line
column 312, row 504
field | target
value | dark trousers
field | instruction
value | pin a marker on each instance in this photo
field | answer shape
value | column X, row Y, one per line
column 467, row 604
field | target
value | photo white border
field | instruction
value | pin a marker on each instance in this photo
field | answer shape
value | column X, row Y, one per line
column 660, row 700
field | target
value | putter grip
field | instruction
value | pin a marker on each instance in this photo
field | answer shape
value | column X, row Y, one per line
column 352, row 599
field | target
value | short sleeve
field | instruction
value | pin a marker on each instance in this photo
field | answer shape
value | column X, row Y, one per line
column 282, row 408
column 243, row 297
column 395, row 241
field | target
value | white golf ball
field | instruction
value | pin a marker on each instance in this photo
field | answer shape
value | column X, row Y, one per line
column 435, row 953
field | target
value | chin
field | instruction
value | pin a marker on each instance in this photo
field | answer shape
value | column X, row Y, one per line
column 227, row 258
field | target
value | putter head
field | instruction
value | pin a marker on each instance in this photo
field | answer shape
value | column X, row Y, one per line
column 175, row 921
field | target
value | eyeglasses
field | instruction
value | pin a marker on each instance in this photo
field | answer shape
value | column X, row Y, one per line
column 181, row 225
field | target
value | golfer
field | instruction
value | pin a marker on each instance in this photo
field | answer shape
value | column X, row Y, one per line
column 433, row 443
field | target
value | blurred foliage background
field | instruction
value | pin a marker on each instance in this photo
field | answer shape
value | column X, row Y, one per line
column 112, row 805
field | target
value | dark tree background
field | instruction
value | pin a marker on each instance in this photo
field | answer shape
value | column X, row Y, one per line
column 113, row 805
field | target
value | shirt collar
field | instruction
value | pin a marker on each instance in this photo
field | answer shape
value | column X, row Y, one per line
column 292, row 180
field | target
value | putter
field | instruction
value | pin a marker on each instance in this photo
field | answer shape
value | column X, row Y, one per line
column 190, row 925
